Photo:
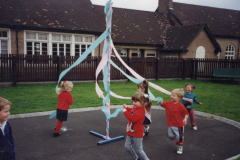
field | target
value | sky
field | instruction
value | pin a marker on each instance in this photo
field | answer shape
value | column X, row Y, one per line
column 151, row 5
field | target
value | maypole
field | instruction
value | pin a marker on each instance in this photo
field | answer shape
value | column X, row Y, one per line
column 106, row 58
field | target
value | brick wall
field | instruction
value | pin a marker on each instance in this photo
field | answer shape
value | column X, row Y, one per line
column 202, row 39
column 20, row 42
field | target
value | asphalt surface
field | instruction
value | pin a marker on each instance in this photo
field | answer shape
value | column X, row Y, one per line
column 214, row 140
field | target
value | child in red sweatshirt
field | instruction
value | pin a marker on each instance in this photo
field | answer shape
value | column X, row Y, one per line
column 176, row 118
column 135, row 131
column 64, row 100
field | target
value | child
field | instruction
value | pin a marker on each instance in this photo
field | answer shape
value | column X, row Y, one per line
column 143, row 87
column 64, row 100
column 190, row 106
column 6, row 139
column 176, row 118
column 136, row 116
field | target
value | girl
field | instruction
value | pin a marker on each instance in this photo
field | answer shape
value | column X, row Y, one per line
column 143, row 87
column 64, row 100
column 189, row 106
column 136, row 116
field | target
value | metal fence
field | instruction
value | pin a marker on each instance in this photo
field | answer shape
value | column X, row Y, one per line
column 24, row 68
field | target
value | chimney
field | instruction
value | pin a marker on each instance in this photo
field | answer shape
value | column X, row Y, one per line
column 164, row 6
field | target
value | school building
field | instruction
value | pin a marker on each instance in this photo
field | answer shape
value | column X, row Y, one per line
column 69, row 27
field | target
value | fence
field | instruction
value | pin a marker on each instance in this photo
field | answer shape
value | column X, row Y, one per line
column 24, row 68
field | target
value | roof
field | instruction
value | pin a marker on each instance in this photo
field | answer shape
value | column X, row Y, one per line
column 180, row 37
column 222, row 22
column 80, row 16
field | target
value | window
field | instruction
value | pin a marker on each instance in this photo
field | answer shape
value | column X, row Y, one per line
column 80, row 49
column 36, row 48
column 61, row 49
column 230, row 52
column 136, row 53
column 78, row 39
column 3, row 34
column 4, row 47
column 151, row 54
column 4, row 41
column 124, row 53
column 36, row 43
column 88, row 39
column 58, row 44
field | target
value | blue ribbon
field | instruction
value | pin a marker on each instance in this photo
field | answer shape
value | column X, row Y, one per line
column 84, row 55
column 137, row 81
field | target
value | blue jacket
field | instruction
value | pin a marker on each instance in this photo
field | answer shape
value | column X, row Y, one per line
column 7, row 144
column 190, row 96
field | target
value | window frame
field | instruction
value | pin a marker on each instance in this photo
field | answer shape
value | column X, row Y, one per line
column 34, row 42
column 64, row 38
column 8, row 39
column 136, row 51
column 232, row 50
column 123, row 51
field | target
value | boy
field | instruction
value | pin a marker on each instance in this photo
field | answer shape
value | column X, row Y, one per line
column 6, row 139
column 176, row 118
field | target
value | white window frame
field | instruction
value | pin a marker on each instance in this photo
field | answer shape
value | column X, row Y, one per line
column 83, row 42
column 8, row 39
column 136, row 51
column 151, row 53
column 34, row 41
column 71, row 40
column 230, row 52
column 123, row 52
column 64, row 48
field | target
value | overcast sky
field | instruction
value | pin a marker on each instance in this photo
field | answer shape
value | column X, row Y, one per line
column 151, row 5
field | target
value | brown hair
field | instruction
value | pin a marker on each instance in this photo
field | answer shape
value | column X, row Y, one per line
column 4, row 102
column 64, row 85
column 193, row 87
column 143, row 98
column 144, row 85
column 179, row 92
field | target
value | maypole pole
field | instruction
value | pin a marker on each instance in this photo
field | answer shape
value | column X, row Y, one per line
column 106, row 57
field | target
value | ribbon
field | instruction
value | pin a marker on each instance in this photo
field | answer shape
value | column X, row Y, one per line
column 141, row 78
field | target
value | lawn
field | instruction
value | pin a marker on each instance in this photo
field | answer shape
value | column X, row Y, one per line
column 218, row 98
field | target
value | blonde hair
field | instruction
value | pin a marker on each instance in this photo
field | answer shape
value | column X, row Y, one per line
column 4, row 102
column 144, row 99
column 143, row 85
column 64, row 85
column 179, row 92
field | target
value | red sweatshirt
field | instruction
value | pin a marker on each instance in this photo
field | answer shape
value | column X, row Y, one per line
column 64, row 100
column 175, row 113
column 136, row 117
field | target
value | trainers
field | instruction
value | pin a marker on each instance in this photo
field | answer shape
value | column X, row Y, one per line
column 146, row 131
column 56, row 134
column 179, row 149
column 195, row 128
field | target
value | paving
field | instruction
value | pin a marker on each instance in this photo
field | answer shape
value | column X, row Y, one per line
column 217, row 138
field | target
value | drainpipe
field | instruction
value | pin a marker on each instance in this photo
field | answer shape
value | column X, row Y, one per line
column 238, row 49
column 17, row 29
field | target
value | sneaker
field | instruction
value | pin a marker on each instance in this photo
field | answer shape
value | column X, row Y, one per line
column 195, row 128
column 179, row 149
column 56, row 134
column 146, row 131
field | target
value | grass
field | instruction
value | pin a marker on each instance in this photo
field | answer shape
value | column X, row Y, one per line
column 218, row 98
